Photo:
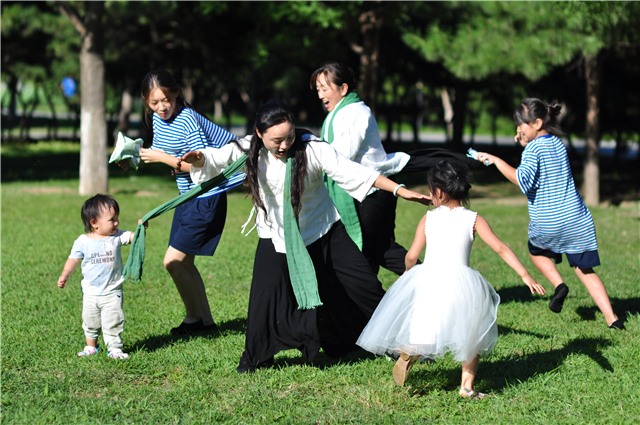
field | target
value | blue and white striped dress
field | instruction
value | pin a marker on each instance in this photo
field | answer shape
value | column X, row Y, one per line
column 560, row 221
column 190, row 131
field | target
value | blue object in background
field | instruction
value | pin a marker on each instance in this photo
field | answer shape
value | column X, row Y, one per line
column 68, row 87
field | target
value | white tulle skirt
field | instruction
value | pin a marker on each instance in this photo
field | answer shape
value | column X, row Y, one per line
column 432, row 310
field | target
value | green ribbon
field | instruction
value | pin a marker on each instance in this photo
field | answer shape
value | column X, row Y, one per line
column 301, row 270
column 343, row 201
column 135, row 262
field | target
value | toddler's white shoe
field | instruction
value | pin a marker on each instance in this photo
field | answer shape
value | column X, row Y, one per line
column 88, row 351
column 118, row 354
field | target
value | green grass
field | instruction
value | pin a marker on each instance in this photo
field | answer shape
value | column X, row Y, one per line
column 546, row 368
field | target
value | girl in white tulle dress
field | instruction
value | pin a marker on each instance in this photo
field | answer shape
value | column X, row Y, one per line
column 443, row 305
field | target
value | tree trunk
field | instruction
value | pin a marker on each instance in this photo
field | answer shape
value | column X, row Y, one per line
column 494, row 130
column 419, row 112
column 591, row 186
column 125, row 112
column 32, row 107
column 459, row 116
column 93, row 127
column 447, row 106
column 12, row 84
column 52, row 127
column 370, row 24
column 621, row 146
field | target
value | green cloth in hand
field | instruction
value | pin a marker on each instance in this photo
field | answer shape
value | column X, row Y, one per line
column 127, row 148
column 135, row 262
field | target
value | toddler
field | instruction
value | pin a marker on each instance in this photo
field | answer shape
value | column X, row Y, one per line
column 99, row 252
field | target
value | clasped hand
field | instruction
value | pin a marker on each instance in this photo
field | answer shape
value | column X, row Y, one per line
column 195, row 158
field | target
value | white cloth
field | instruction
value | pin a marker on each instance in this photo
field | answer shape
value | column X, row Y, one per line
column 318, row 213
column 101, row 262
column 441, row 305
column 356, row 136
column 104, row 312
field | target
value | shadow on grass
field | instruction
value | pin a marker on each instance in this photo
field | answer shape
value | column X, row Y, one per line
column 495, row 376
column 46, row 165
column 323, row 361
column 158, row 342
column 519, row 294
column 622, row 308
column 505, row 330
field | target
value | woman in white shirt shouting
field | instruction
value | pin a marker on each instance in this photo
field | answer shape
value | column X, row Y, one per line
column 352, row 130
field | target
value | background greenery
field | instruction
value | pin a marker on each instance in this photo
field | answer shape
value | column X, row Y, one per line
column 547, row 368
column 233, row 56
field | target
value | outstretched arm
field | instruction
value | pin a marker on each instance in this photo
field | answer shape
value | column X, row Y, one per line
column 389, row 185
column 68, row 268
column 155, row 155
column 509, row 257
column 419, row 242
column 507, row 170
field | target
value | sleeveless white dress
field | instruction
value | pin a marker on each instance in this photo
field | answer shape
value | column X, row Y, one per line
column 441, row 305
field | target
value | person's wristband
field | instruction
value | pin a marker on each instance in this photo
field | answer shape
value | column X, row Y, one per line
column 178, row 167
column 395, row 191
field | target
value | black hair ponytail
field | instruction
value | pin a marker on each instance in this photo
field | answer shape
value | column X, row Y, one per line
column 530, row 109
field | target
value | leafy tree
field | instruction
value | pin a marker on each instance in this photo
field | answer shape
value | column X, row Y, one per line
column 603, row 27
column 475, row 41
column 37, row 44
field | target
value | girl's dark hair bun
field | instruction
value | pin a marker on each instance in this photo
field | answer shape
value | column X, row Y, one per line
column 553, row 109
column 453, row 177
column 531, row 109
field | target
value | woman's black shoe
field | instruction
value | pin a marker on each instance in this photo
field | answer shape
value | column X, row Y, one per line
column 187, row 328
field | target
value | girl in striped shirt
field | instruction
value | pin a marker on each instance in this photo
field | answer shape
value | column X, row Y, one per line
column 560, row 221
column 197, row 224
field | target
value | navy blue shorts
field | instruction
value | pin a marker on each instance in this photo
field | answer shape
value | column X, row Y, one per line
column 583, row 261
column 197, row 225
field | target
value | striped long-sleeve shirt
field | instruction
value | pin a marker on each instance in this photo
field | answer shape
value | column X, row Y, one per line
column 560, row 221
column 190, row 131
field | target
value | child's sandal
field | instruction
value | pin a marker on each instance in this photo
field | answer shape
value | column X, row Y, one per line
column 471, row 394
column 88, row 351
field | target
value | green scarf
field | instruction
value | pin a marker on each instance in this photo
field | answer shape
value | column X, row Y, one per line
column 133, row 268
column 343, row 201
column 301, row 270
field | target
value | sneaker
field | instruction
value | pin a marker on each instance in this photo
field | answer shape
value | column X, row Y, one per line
column 118, row 354
column 88, row 351
column 557, row 301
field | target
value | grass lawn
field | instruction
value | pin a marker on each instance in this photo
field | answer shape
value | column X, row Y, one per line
column 547, row 368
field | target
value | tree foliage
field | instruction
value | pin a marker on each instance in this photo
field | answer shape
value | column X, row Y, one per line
column 230, row 57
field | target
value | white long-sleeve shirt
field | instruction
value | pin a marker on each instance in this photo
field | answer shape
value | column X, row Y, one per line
column 357, row 137
column 318, row 212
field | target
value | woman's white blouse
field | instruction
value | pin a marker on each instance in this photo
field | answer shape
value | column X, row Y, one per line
column 357, row 137
column 318, row 212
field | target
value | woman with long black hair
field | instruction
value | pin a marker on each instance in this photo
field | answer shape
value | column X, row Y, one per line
column 311, row 285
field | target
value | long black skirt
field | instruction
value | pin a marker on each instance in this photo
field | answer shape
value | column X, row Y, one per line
column 349, row 291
